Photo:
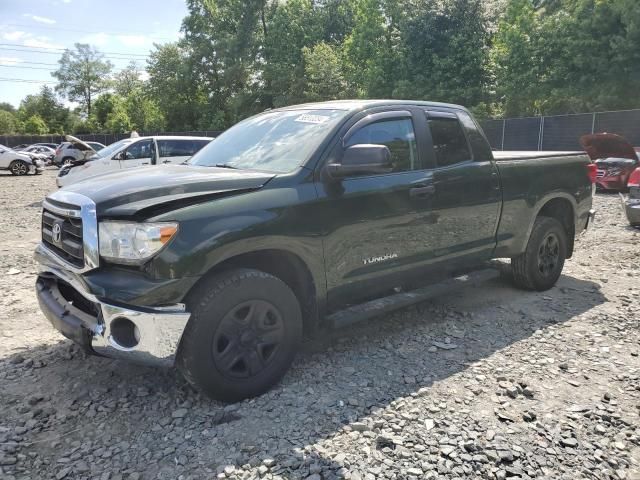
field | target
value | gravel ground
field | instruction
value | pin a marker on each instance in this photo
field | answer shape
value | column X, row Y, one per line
column 486, row 382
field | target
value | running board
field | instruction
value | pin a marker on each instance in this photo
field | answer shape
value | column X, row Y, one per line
column 380, row 306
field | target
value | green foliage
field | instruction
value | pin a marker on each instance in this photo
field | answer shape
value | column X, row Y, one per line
column 35, row 125
column 46, row 106
column 324, row 73
column 8, row 123
column 569, row 56
column 498, row 57
column 83, row 74
column 144, row 112
column 127, row 80
column 7, row 107
column 118, row 120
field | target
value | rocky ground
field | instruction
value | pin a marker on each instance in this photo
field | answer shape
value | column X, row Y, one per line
column 486, row 382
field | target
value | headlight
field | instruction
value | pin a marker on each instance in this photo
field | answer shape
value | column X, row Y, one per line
column 133, row 243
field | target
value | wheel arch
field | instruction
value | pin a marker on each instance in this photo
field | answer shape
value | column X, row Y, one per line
column 284, row 265
column 563, row 209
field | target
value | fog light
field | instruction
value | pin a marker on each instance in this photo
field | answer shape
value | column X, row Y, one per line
column 124, row 332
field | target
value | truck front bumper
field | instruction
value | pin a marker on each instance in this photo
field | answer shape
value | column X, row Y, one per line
column 144, row 335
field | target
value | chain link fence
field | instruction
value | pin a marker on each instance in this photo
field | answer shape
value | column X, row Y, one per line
column 559, row 132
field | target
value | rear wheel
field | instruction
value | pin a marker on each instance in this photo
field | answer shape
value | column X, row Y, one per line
column 244, row 331
column 540, row 266
column 18, row 167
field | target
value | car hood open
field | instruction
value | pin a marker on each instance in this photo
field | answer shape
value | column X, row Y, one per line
column 143, row 192
column 607, row 145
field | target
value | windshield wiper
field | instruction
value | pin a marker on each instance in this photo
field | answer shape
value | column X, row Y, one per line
column 226, row 165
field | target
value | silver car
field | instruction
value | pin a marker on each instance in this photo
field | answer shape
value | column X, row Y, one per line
column 68, row 152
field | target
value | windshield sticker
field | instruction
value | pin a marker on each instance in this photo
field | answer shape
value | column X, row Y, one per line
column 307, row 118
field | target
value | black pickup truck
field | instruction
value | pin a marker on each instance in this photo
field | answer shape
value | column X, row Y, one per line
column 289, row 218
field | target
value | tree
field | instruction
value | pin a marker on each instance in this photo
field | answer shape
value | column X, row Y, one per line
column 144, row 112
column 324, row 73
column 35, row 125
column 128, row 80
column 118, row 120
column 46, row 105
column 174, row 86
column 82, row 75
column 7, row 107
column 8, row 123
column 447, row 53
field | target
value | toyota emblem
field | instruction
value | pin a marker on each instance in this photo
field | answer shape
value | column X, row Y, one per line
column 56, row 233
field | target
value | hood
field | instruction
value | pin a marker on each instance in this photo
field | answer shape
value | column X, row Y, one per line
column 607, row 145
column 79, row 144
column 144, row 192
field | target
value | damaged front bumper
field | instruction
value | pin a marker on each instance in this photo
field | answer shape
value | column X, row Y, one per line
column 150, row 336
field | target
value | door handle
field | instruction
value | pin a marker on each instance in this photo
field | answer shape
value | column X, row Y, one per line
column 145, row 164
column 166, row 161
column 422, row 191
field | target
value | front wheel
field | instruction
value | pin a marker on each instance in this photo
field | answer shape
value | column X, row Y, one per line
column 540, row 266
column 18, row 167
column 244, row 331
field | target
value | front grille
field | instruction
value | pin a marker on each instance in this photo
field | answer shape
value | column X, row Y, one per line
column 69, row 245
column 600, row 173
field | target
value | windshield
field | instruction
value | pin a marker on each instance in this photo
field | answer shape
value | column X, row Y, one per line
column 114, row 147
column 274, row 142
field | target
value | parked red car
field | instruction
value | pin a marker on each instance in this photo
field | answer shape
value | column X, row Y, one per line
column 614, row 157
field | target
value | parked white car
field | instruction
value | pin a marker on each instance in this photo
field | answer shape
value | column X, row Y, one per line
column 19, row 163
column 131, row 153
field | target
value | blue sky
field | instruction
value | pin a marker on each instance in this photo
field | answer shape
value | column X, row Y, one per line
column 34, row 32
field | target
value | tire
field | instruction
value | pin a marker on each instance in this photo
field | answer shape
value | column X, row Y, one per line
column 243, row 334
column 540, row 266
column 19, row 167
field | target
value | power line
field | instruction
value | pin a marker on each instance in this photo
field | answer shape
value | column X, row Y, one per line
column 20, row 62
column 65, row 49
column 22, row 80
column 137, row 59
column 112, row 32
column 28, row 68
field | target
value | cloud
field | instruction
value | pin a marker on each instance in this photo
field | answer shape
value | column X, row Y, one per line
column 40, row 42
column 100, row 39
column 13, row 36
column 10, row 60
column 133, row 40
column 48, row 21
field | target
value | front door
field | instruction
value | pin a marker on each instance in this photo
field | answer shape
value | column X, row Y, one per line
column 377, row 225
column 137, row 154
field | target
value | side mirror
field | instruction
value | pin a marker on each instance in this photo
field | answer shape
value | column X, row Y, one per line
column 363, row 159
column 119, row 156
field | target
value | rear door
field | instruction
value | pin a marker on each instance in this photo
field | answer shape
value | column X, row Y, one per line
column 137, row 154
column 467, row 203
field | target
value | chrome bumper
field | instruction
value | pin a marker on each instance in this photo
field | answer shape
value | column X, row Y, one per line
column 143, row 335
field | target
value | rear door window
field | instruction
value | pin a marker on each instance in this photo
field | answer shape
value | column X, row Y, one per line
column 177, row 148
column 449, row 141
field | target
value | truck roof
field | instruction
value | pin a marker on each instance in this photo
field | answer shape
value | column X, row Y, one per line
column 355, row 105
